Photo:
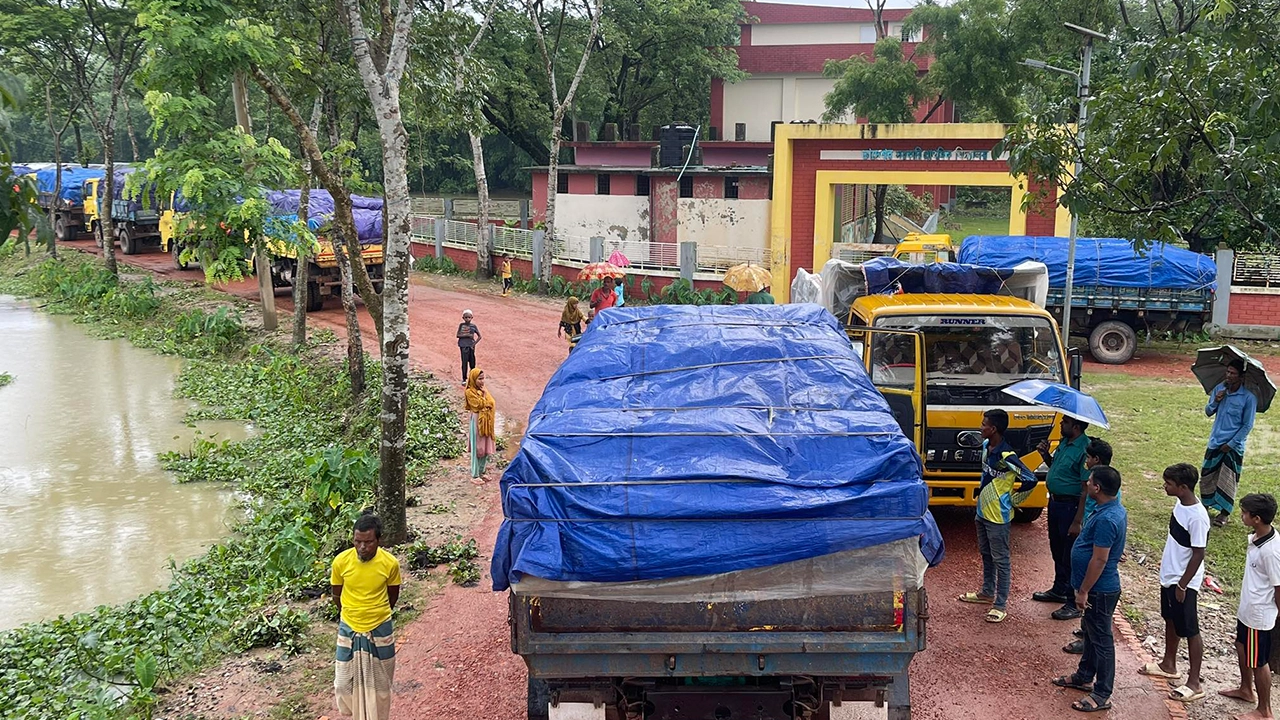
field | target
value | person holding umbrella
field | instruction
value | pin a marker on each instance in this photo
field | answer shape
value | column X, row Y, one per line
column 751, row 279
column 1233, row 408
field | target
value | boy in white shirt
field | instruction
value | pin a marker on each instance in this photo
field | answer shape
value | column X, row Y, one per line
column 1181, row 570
column 1258, row 605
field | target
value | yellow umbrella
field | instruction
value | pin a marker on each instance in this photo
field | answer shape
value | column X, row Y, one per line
column 600, row 270
column 747, row 278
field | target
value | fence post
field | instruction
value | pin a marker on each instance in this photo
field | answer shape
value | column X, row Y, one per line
column 524, row 214
column 688, row 259
column 1226, row 261
column 448, row 209
column 539, row 239
column 597, row 249
column 439, row 238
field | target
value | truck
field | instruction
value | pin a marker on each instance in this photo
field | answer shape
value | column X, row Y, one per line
column 135, row 216
column 941, row 358
column 1119, row 288
column 67, row 208
column 714, row 515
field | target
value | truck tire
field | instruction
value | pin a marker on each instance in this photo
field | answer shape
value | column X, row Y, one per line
column 177, row 256
column 60, row 228
column 128, row 244
column 95, row 230
column 1113, row 343
column 539, row 699
column 315, row 301
column 1026, row 515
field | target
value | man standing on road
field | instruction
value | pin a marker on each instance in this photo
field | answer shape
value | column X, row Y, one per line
column 468, row 338
column 1232, row 407
column 604, row 296
column 365, row 583
column 1065, row 482
column 1097, row 588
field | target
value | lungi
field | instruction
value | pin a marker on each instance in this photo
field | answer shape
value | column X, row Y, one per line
column 1220, row 479
column 363, row 670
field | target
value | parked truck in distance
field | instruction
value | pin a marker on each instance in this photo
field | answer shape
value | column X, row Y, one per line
column 135, row 216
column 67, row 207
column 1119, row 289
column 323, row 275
column 714, row 515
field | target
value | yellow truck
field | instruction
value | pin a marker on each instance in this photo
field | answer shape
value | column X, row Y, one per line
column 918, row 249
column 136, row 221
column 323, row 276
column 940, row 360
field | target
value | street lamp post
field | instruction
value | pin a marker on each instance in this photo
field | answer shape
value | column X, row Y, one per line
column 1082, row 94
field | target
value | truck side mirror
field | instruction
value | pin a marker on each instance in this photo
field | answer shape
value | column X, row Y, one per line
column 1075, row 367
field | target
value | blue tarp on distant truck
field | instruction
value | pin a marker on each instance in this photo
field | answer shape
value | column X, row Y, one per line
column 1111, row 262
column 73, row 177
column 678, row 441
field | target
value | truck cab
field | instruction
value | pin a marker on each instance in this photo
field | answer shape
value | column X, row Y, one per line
column 940, row 360
column 92, row 209
column 918, row 249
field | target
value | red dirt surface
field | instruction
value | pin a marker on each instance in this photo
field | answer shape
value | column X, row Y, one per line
column 455, row 662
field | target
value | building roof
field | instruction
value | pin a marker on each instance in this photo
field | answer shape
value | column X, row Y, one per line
column 766, row 13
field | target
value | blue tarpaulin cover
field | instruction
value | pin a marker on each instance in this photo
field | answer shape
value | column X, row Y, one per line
column 1099, row 261
column 73, row 177
column 884, row 274
column 678, row 441
column 320, row 202
column 18, row 169
column 368, row 224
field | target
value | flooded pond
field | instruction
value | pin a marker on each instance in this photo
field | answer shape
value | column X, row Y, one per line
column 87, row 516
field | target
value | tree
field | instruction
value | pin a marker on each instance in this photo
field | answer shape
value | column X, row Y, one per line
column 1184, row 138
column 381, row 59
column 559, row 105
column 18, row 208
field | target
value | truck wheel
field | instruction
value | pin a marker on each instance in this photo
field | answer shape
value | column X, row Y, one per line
column 96, row 231
column 315, row 301
column 60, row 228
column 1026, row 515
column 1113, row 343
column 177, row 256
column 539, row 699
column 128, row 245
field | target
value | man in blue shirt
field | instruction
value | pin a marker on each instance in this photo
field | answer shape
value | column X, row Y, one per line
column 1232, row 407
column 1097, row 589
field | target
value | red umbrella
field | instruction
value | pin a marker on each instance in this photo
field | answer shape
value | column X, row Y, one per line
column 617, row 258
column 600, row 270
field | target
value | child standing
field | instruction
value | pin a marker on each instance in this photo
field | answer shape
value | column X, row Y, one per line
column 1256, row 617
column 468, row 338
column 506, row 275
column 1002, row 471
column 1181, row 570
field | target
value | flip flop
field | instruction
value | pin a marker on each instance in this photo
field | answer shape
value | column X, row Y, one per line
column 1185, row 694
column 975, row 598
column 995, row 615
column 1153, row 670
column 1089, row 705
column 1068, row 681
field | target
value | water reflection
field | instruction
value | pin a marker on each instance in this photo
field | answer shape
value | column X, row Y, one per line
column 87, row 516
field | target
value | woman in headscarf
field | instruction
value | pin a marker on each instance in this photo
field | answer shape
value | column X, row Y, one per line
column 571, row 319
column 481, row 406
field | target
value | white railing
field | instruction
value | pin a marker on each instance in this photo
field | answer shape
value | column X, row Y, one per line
column 718, row 258
column 1255, row 269
column 644, row 255
column 516, row 242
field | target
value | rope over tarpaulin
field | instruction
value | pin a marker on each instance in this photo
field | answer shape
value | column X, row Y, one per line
column 678, row 441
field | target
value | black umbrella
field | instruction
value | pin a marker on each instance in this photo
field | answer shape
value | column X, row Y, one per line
column 1211, row 369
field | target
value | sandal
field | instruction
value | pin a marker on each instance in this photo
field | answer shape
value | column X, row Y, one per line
column 1075, row 647
column 1221, row 520
column 975, row 598
column 1185, row 694
column 1088, row 704
column 1069, row 682
column 995, row 615
column 1153, row 670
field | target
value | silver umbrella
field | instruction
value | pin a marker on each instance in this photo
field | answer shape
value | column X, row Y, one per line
column 1211, row 368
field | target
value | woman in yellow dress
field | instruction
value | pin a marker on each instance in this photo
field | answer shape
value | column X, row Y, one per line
column 481, row 406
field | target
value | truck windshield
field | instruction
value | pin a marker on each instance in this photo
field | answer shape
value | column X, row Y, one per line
column 983, row 351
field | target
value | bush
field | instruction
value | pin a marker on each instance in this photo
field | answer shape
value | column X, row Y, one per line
column 277, row 626
column 440, row 266
column 682, row 292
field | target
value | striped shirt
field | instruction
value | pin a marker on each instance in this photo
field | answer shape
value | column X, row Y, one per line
column 1002, row 471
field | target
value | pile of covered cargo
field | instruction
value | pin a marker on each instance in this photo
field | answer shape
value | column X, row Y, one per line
column 71, row 191
column 1110, row 262
column 366, row 211
column 725, row 452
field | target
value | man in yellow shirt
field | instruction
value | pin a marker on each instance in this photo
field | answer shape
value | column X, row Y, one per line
column 506, row 274
column 365, row 583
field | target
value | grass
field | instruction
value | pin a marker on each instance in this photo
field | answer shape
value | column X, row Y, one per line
column 961, row 226
column 1156, row 423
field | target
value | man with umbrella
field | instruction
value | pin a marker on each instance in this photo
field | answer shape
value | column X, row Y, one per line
column 1232, row 407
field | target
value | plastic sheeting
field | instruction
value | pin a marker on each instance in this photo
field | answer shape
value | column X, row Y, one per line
column 679, row 441
column 1099, row 261
column 319, row 202
column 806, row 287
column 888, row 275
column 894, row 566
column 73, row 177
column 18, row 169
column 368, row 224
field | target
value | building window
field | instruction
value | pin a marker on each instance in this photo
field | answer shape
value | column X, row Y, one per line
column 562, row 182
column 642, row 185
column 867, row 34
column 602, row 184
column 686, row 186
column 730, row 187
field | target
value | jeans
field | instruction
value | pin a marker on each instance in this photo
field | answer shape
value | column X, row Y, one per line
column 1061, row 515
column 468, row 360
column 993, row 543
column 1098, row 664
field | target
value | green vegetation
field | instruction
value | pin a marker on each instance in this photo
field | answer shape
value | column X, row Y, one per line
column 5, row 379
column 961, row 225
column 1156, row 423
column 306, row 475
column 458, row 555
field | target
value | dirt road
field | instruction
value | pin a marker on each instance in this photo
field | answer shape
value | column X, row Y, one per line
column 455, row 662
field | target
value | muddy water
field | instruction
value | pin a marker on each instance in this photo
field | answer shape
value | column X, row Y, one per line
column 87, row 516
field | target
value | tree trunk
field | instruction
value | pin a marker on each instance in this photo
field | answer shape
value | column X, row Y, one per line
column 355, row 343
column 56, row 132
column 108, row 192
column 302, row 265
column 128, row 124
column 553, row 181
column 880, row 193
column 484, row 244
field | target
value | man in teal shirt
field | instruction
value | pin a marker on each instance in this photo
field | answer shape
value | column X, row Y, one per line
column 1065, row 482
